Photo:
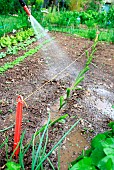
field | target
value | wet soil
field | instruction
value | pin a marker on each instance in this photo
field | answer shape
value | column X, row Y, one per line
column 42, row 79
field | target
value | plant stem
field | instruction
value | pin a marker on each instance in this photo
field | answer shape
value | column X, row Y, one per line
column 58, row 143
column 2, row 130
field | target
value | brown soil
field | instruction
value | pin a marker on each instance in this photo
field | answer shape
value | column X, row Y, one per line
column 52, row 66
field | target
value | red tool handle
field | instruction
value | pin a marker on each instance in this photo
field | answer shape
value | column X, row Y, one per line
column 27, row 10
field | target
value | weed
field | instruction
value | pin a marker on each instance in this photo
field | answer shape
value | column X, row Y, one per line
column 10, row 110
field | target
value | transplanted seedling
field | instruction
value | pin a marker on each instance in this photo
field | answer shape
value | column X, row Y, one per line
column 80, row 77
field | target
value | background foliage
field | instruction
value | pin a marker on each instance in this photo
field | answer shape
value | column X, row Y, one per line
column 13, row 6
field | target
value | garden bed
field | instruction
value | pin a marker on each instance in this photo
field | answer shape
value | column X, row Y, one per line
column 27, row 77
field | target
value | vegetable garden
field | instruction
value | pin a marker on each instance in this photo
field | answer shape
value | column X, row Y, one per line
column 66, row 80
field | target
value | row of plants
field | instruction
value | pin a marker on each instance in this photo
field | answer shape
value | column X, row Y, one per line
column 67, row 18
column 80, row 77
column 100, row 18
column 9, row 65
column 101, row 154
column 13, row 50
column 62, row 18
column 20, row 41
column 107, row 36
column 20, row 36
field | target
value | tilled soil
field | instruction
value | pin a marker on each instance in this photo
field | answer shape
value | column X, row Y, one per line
column 42, row 79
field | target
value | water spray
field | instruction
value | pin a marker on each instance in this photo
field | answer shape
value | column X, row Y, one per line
column 25, row 7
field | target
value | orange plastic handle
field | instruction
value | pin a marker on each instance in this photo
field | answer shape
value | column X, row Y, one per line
column 27, row 10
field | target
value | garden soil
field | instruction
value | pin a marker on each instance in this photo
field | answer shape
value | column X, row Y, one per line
column 41, row 79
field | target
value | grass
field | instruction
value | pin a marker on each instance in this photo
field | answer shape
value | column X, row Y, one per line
column 9, row 23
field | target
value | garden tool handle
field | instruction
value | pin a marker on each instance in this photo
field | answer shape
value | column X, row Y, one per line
column 25, row 7
column 22, row 3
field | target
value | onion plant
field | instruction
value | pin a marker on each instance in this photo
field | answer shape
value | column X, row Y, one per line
column 39, row 154
column 39, row 147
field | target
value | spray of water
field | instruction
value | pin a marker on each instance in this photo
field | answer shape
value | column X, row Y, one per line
column 40, row 32
column 55, row 57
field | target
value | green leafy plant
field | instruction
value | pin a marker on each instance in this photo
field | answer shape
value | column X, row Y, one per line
column 100, row 155
column 78, row 80
column 12, row 50
column 45, row 156
column 5, row 41
column 62, row 102
column 90, row 58
column 13, row 40
column 12, row 166
column 2, row 55
column 68, row 91
column 19, row 37
column 80, row 77
column 20, row 46
column 91, row 34
column 90, row 23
